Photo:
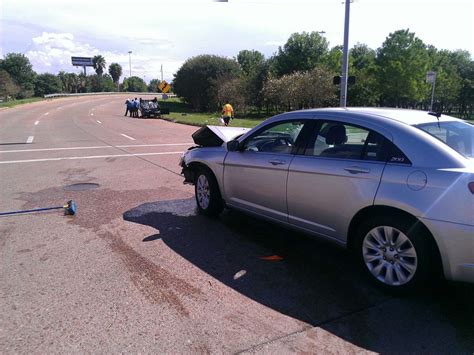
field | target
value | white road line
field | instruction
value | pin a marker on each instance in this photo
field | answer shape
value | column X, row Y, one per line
column 92, row 114
column 87, row 157
column 150, row 145
column 93, row 147
column 131, row 138
column 99, row 122
column 30, row 139
column 46, row 114
column 36, row 123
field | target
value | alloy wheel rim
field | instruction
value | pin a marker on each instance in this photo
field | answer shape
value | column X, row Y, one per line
column 389, row 255
column 203, row 193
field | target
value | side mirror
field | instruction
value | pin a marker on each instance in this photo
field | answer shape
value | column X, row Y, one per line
column 233, row 145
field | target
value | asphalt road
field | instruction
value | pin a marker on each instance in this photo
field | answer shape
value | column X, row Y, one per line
column 137, row 270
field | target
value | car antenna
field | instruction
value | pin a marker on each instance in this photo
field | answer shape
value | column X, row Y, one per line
column 437, row 114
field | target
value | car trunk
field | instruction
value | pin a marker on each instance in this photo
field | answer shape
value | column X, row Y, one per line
column 215, row 136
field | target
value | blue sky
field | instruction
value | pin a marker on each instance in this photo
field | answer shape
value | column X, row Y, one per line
column 167, row 32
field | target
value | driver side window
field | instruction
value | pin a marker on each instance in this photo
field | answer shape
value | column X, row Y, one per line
column 279, row 138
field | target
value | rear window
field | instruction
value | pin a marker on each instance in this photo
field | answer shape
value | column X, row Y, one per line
column 457, row 135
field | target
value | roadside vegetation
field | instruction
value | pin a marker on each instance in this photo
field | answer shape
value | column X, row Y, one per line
column 13, row 103
column 299, row 75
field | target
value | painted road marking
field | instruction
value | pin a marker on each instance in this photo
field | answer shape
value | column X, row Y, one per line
column 30, row 139
column 87, row 157
column 150, row 145
column 94, row 147
column 46, row 114
column 36, row 123
column 92, row 114
column 99, row 122
column 127, row 136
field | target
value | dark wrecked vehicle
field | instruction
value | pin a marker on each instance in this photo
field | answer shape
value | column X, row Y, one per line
column 151, row 108
column 392, row 185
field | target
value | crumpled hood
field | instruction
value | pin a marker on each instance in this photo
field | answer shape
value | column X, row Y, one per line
column 215, row 136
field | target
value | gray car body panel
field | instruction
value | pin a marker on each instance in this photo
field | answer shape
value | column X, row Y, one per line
column 320, row 198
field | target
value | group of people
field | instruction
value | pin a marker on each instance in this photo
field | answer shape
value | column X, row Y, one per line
column 132, row 106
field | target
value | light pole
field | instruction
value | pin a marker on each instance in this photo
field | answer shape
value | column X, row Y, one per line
column 345, row 56
column 130, row 62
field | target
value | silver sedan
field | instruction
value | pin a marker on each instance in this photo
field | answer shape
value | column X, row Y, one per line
column 394, row 186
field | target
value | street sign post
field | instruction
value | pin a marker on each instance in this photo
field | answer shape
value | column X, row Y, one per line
column 164, row 87
column 431, row 78
column 82, row 62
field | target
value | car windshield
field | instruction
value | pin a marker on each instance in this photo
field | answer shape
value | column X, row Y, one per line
column 458, row 135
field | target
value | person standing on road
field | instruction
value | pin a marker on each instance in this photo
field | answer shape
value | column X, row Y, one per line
column 128, row 104
column 227, row 113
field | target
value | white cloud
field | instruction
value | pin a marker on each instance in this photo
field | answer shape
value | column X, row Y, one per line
column 52, row 52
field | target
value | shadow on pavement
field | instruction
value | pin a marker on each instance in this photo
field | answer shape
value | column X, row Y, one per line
column 313, row 281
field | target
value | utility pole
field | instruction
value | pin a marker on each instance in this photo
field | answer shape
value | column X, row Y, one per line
column 162, row 72
column 130, row 62
column 345, row 56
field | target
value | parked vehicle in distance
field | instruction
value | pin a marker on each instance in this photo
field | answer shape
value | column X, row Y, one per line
column 395, row 186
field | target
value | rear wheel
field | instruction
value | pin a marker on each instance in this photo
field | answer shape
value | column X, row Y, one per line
column 395, row 253
column 208, row 196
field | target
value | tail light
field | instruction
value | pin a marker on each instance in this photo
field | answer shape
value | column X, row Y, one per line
column 471, row 187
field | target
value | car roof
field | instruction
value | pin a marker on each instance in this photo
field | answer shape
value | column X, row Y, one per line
column 407, row 116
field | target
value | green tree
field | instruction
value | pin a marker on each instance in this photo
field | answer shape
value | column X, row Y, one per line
column 134, row 84
column 8, row 88
column 303, row 51
column 334, row 60
column 365, row 91
column 100, row 83
column 98, row 62
column 153, row 86
column 465, row 68
column 21, row 72
column 448, row 81
column 255, row 70
column 47, row 84
column 198, row 79
column 115, row 71
column 402, row 65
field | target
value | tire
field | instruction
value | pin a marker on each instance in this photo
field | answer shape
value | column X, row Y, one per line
column 395, row 253
column 208, row 197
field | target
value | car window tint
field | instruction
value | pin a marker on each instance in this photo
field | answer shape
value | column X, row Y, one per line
column 279, row 138
column 344, row 141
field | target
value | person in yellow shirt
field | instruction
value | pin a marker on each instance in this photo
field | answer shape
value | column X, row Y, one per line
column 227, row 113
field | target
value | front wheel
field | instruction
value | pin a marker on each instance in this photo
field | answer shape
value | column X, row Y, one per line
column 208, row 196
column 394, row 253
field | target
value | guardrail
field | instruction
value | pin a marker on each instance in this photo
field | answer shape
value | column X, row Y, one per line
column 135, row 94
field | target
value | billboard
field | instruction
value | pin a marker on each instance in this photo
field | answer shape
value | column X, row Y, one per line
column 82, row 61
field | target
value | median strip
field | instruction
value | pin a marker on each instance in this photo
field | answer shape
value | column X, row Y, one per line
column 87, row 157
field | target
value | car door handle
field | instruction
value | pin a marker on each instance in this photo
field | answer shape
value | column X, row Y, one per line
column 357, row 170
column 277, row 162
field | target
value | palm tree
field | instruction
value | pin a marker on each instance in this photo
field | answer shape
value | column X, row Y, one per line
column 98, row 63
column 115, row 71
